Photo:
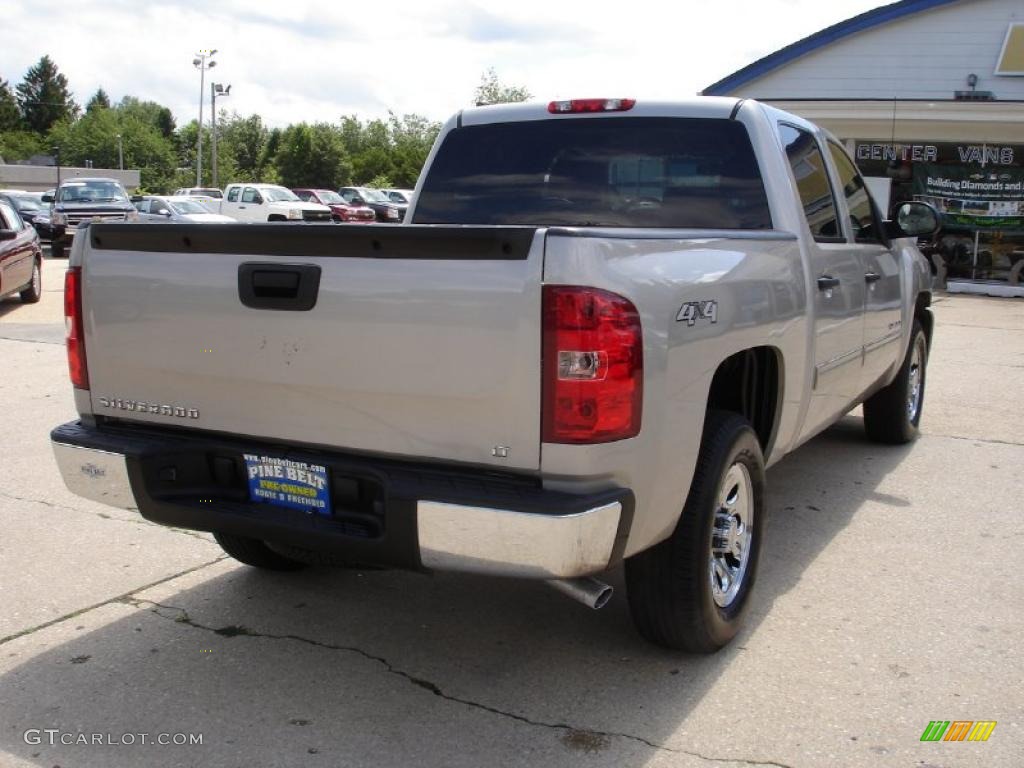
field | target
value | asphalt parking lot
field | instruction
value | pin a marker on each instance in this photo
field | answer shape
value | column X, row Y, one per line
column 891, row 594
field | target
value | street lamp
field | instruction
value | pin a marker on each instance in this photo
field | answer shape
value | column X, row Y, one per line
column 120, row 153
column 216, row 89
column 202, row 61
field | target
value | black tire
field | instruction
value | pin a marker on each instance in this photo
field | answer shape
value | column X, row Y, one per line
column 34, row 291
column 255, row 553
column 670, row 589
column 57, row 250
column 888, row 416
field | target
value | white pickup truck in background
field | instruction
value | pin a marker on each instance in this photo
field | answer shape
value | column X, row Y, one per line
column 267, row 202
column 600, row 323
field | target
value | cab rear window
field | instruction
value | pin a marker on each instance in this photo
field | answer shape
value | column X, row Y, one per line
column 613, row 172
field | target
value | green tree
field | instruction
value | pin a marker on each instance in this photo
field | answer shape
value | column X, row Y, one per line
column 93, row 138
column 492, row 91
column 267, row 170
column 312, row 155
column 10, row 116
column 21, row 145
column 374, row 156
column 99, row 100
column 412, row 137
column 241, row 139
column 151, row 113
column 394, row 149
column 44, row 97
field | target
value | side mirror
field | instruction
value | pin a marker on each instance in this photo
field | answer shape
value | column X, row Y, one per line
column 258, row 199
column 914, row 219
column 47, row 198
column 165, row 212
column 7, row 234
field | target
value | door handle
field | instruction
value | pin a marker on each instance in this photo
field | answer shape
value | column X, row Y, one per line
column 872, row 277
column 827, row 282
column 276, row 286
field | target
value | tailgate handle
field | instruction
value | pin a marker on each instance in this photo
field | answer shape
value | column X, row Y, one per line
column 291, row 287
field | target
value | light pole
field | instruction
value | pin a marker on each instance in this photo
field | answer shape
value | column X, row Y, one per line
column 120, row 153
column 202, row 61
column 56, row 159
column 216, row 89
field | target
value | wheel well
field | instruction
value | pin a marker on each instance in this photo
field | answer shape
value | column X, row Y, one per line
column 749, row 383
column 276, row 217
column 923, row 315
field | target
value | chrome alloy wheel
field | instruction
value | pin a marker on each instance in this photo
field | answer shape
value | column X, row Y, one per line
column 915, row 381
column 731, row 531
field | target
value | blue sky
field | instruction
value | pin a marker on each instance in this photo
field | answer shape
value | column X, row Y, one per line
column 292, row 61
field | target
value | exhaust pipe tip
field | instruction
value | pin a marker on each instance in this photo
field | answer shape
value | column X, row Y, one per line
column 592, row 593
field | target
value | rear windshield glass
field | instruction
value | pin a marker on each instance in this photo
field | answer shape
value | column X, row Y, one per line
column 615, row 172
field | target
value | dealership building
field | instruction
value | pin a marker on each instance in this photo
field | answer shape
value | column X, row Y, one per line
column 928, row 96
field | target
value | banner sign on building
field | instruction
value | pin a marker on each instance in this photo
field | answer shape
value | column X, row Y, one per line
column 976, row 198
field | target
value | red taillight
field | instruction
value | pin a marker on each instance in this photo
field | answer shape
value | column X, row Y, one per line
column 75, row 332
column 571, row 106
column 593, row 366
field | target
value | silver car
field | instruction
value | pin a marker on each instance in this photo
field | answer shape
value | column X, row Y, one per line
column 178, row 210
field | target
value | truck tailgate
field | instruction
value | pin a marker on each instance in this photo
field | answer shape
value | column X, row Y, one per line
column 421, row 341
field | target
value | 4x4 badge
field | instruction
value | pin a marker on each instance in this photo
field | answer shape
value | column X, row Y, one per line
column 692, row 311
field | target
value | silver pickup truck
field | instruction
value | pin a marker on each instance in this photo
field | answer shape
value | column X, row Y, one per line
column 601, row 322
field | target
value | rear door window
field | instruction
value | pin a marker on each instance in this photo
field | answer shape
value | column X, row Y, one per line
column 233, row 194
column 812, row 182
column 616, row 172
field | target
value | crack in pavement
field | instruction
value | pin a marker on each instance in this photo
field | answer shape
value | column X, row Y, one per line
column 230, row 631
column 991, row 441
column 141, row 521
column 32, row 341
column 116, row 599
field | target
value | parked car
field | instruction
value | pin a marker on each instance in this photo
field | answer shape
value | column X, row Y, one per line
column 269, row 202
column 178, row 210
column 32, row 210
column 603, row 320
column 21, row 256
column 340, row 210
column 205, row 193
column 400, row 196
column 385, row 210
column 82, row 200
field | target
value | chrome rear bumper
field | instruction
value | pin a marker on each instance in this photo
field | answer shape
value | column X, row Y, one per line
column 557, row 537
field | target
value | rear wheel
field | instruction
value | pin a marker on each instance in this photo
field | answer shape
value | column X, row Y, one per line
column 690, row 592
column 255, row 553
column 892, row 415
column 34, row 291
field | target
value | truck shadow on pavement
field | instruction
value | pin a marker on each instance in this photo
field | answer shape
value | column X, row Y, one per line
column 387, row 668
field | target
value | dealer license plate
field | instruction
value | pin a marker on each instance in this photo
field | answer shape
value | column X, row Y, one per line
column 286, row 483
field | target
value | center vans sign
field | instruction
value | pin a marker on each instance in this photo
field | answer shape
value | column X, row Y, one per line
column 962, row 154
